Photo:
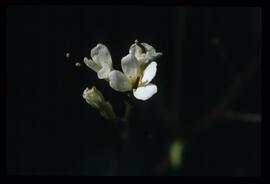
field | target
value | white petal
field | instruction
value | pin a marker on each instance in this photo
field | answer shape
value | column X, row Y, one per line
column 151, row 52
column 101, row 55
column 150, row 72
column 104, row 72
column 91, row 64
column 130, row 65
column 138, row 52
column 148, row 47
column 151, row 56
column 145, row 92
column 118, row 81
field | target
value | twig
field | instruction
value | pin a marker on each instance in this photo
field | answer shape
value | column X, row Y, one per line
column 242, row 116
column 226, row 100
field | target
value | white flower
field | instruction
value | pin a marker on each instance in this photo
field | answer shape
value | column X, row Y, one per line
column 101, row 61
column 136, row 76
column 144, row 52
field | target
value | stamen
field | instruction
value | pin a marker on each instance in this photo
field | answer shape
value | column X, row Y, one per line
column 137, row 82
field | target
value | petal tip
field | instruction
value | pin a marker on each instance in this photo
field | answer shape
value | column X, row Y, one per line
column 146, row 92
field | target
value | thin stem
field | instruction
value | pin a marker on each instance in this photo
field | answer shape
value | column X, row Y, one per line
column 242, row 116
column 227, row 99
column 125, row 121
column 124, row 134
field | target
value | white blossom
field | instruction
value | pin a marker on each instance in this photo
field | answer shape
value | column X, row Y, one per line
column 138, row 71
column 101, row 61
column 139, row 68
column 144, row 53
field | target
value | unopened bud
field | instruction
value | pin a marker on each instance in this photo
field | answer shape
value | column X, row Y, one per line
column 78, row 64
column 93, row 97
column 67, row 55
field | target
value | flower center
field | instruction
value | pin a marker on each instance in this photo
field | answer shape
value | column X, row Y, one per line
column 136, row 84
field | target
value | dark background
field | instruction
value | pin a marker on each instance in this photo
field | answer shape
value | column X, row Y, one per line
column 52, row 130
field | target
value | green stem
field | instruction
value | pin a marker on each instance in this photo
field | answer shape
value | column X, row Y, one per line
column 125, row 121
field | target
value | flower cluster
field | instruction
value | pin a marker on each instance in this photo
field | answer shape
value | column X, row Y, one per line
column 138, row 69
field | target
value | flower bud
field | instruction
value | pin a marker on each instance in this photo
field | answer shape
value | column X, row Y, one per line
column 93, row 97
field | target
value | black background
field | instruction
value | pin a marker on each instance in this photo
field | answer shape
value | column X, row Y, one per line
column 52, row 130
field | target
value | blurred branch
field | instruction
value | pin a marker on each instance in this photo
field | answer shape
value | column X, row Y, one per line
column 227, row 99
column 180, row 23
column 242, row 116
column 220, row 109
